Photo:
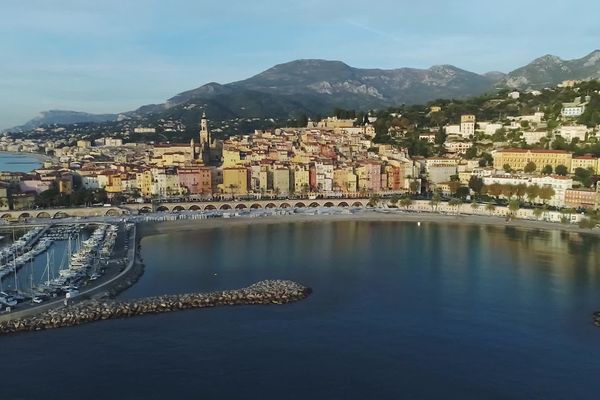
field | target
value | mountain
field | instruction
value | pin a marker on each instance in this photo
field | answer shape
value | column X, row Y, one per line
column 316, row 87
column 550, row 70
column 345, row 86
column 64, row 117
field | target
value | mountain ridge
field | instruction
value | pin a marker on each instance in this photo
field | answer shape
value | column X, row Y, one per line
column 317, row 86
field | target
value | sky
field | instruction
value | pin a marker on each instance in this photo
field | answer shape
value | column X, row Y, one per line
column 107, row 56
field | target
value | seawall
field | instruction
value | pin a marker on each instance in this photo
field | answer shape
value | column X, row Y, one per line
column 263, row 292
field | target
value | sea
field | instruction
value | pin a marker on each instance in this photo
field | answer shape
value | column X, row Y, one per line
column 399, row 310
column 16, row 162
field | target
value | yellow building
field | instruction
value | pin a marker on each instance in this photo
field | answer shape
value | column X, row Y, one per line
column 344, row 180
column 110, row 181
column 186, row 150
column 585, row 162
column 144, row 182
column 235, row 180
column 281, row 180
column 231, row 157
column 335, row 123
column 300, row 179
column 517, row 159
column 171, row 159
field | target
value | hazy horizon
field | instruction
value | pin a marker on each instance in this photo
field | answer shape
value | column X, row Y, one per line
column 114, row 57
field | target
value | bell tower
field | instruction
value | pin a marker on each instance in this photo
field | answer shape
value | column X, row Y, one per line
column 204, row 134
column 204, row 139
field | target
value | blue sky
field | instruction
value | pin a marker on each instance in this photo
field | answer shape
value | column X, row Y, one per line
column 111, row 56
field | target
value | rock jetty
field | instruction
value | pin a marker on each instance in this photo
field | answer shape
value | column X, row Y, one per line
column 263, row 292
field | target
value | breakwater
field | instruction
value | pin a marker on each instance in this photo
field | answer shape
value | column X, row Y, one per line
column 263, row 292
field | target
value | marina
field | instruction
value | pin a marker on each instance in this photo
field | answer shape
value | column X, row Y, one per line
column 53, row 262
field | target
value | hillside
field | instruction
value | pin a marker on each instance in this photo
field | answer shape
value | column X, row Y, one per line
column 316, row 87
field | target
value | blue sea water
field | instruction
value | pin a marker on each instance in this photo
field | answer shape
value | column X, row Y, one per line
column 18, row 162
column 399, row 311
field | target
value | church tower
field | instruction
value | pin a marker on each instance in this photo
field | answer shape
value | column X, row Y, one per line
column 204, row 139
column 204, row 134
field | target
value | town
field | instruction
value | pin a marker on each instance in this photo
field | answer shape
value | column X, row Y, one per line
column 536, row 149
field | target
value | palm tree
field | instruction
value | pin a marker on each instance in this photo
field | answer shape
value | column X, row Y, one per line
column 435, row 201
column 406, row 202
column 374, row 200
column 513, row 206
column 490, row 207
column 455, row 202
column 232, row 188
column 394, row 199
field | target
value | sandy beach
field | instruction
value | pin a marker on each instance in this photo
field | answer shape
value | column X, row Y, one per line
column 153, row 228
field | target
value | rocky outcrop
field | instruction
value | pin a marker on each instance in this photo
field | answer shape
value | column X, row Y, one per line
column 263, row 292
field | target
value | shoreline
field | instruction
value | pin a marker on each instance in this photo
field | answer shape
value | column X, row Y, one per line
column 151, row 228
column 41, row 158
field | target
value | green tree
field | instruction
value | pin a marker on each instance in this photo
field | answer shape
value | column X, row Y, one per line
column 463, row 192
column 435, row 201
column 584, row 176
column 471, row 153
column 546, row 193
column 495, row 189
column 455, row 202
column 406, row 202
column 440, row 136
column 509, row 191
column 454, row 186
column 561, row 170
column 374, row 200
column 547, row 170
column 533, row 191
column 537, row 212
column 488, row 159
column 513, row 206
column 530, row 167
column 414, row 186
column 475, row 184
column 394, row 199
column 521, row 191
column 507, row 168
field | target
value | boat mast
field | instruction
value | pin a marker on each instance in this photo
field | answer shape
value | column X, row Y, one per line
column 48, row 268
column 15, row 270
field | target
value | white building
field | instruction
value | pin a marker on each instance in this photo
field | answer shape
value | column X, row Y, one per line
column 570, row 132
column 489, row 128
column 144, row 130
column 576, row 108
column 560, row 184
column 458, row 147
column 533, row 137
column 467, row 125
column 452, row 129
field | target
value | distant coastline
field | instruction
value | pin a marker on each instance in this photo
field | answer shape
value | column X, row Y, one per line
column 39, row 159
